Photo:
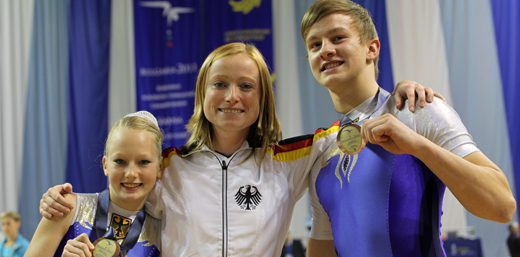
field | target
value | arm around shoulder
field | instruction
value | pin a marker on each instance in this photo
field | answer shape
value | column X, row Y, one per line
column 50, row 232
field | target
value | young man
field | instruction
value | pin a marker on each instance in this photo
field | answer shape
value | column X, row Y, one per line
column 14, row 244
column 386, row 200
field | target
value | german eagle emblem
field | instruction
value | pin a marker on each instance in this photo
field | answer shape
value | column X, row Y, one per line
column 248, row 197
column 121, row 225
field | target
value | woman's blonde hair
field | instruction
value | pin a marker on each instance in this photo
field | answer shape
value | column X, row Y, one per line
column 264, row 132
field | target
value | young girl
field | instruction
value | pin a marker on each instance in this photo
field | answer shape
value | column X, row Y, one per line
column 133, row 163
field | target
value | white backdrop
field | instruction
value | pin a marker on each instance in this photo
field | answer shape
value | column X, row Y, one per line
column 15, row 31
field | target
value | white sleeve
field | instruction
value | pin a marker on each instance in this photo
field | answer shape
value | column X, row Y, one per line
column 154, row 204
column 441, row 124
column 320, row 229
column 298, row 173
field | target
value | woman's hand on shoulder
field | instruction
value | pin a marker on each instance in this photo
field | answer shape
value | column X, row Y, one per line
column 53, row 202
column 411, row 90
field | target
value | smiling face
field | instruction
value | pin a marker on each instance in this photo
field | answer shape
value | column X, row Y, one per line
column 232, row 97
column 336, row 55
column 132, row 165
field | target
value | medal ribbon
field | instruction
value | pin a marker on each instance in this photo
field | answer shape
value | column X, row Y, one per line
column 101, row 221
column 376, row 105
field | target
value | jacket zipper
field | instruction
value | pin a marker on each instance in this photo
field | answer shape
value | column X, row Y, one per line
column 224, row 202
column 224, row 210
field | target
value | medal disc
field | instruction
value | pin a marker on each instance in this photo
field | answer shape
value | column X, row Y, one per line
column 104, row 247
column 349, row 139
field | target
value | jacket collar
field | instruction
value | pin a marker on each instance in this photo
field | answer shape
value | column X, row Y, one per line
column 186, row 151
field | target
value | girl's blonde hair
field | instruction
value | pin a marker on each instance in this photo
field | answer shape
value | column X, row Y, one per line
column 141, row 120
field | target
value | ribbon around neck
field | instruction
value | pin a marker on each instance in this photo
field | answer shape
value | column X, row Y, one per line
column 101, row 221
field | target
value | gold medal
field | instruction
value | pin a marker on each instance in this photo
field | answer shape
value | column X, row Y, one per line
column 106, row 246
column 349, row 139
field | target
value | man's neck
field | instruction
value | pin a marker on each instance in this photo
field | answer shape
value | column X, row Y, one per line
column 350, row 95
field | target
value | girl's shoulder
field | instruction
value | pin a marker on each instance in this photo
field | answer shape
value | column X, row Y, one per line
column 85, row 206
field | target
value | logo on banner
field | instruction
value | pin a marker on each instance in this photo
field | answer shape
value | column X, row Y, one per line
column 171, row 13
column 244, row 6
column 248, row 197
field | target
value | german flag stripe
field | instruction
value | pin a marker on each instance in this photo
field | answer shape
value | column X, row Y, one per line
column 168, row 153
column 297, row 147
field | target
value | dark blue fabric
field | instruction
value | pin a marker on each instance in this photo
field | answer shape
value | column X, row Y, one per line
column 377, row 10
column 89, row 37
column 168, row 55
column 415, row 204
column 506, row 17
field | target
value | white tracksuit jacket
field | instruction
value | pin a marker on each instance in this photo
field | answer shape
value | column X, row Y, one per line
column 211, row 205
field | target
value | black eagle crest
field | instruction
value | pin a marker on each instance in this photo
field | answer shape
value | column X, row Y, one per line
column 248, row 197
column 121, row 225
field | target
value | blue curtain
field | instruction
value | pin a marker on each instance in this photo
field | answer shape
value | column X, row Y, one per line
column 89, row 39
column 506, row 18
column 377, row 10
column 45, row 131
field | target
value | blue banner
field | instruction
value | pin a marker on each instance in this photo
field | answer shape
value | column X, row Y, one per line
column 505, row 19
column 167, row 58
column 172, row 39
column 247, row 21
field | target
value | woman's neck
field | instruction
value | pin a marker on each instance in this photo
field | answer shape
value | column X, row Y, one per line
column 228, row 143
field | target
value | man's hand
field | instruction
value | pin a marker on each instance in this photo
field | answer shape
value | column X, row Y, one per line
column 53, row 203
column 390, row 133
